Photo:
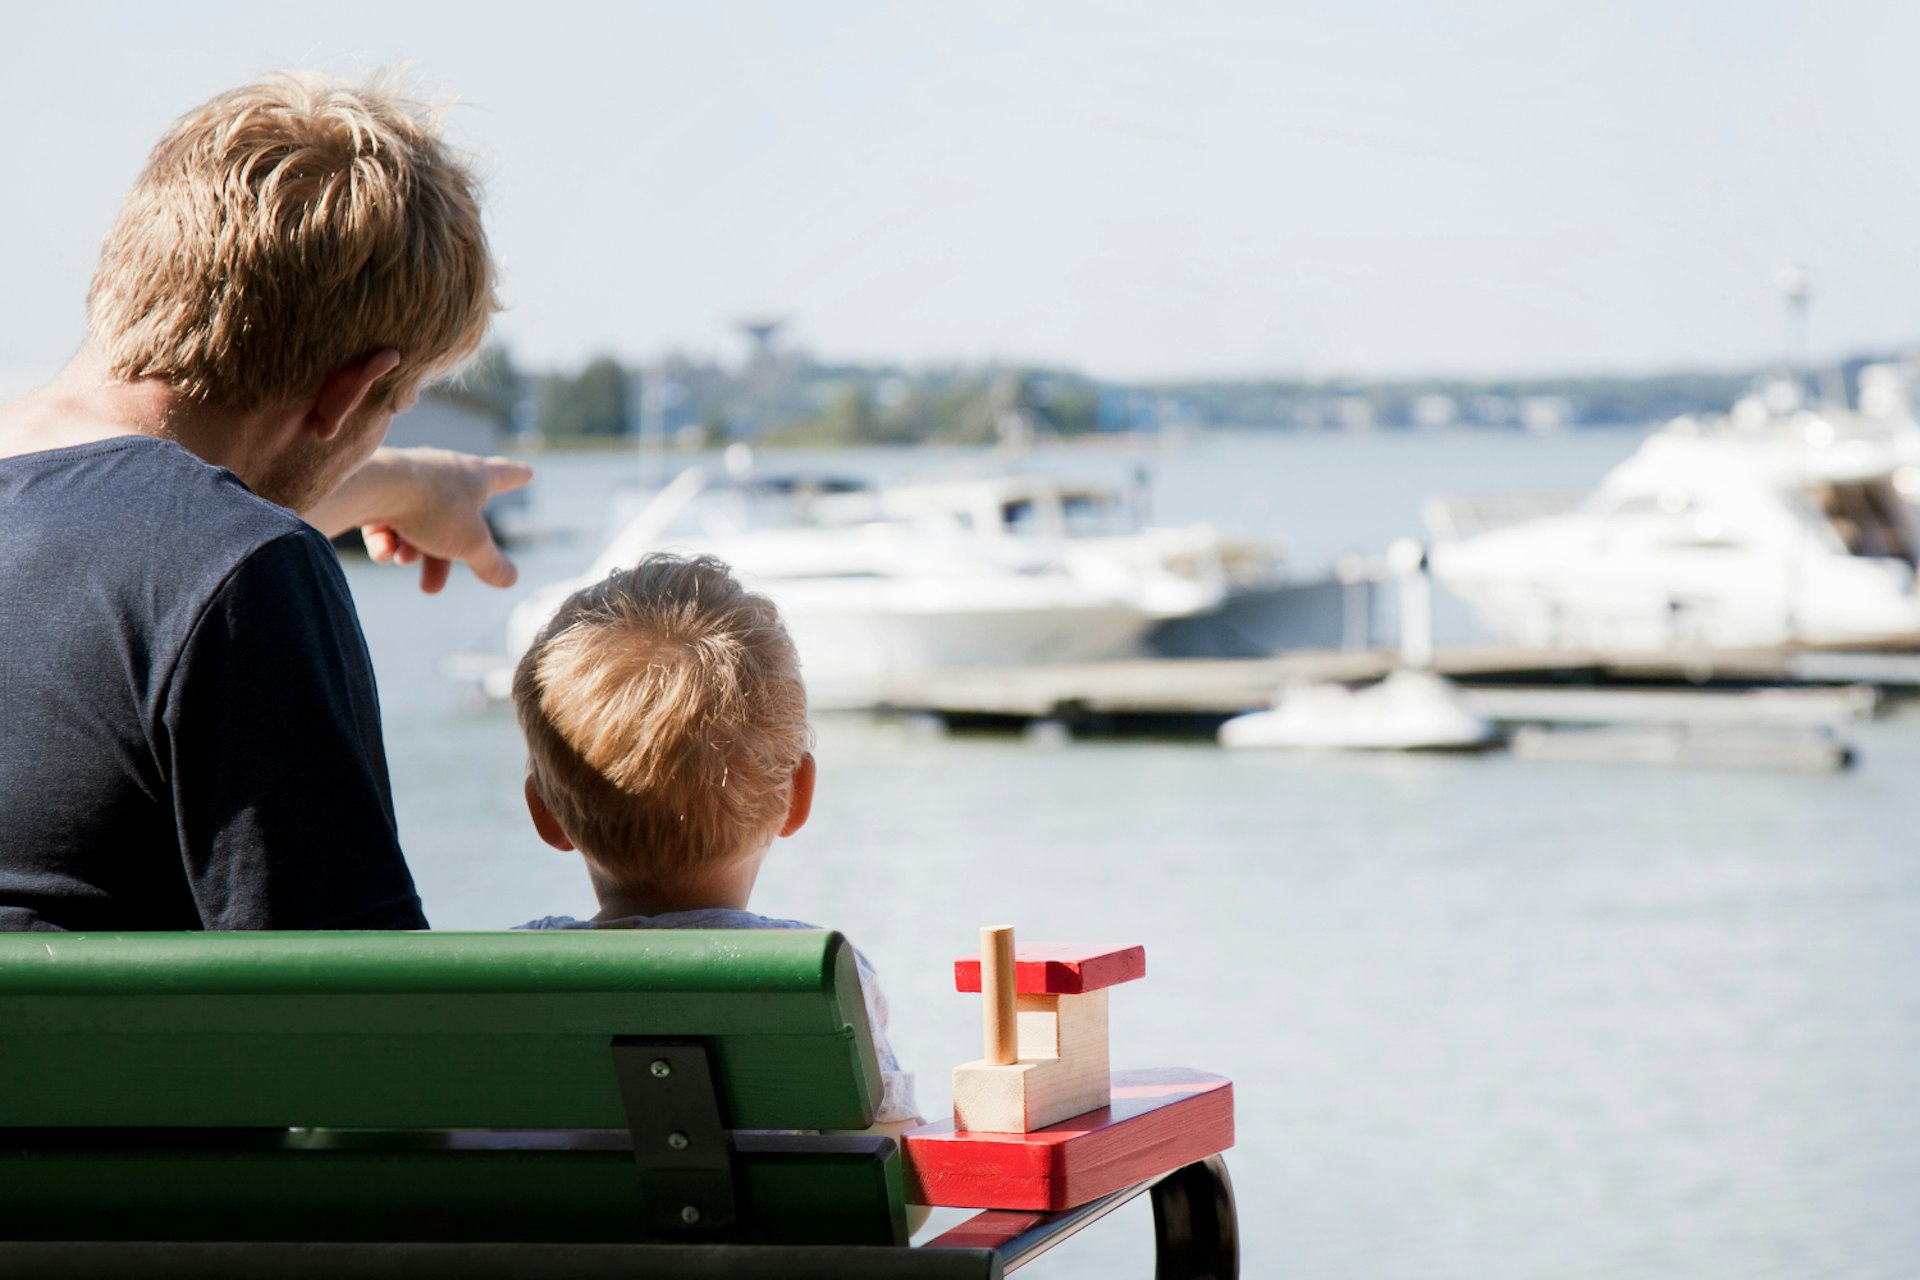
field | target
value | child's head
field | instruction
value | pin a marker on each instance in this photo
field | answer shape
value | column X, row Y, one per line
column 666, row 723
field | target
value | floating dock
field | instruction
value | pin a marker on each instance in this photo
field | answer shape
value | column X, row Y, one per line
column 1687, row 746
column 1514, row 685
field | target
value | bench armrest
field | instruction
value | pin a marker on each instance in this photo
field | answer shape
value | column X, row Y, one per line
column 1196, row 1231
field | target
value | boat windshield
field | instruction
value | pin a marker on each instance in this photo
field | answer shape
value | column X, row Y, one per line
column 1083, row 513
column 1868, row 517
column 1094, row 514
column 773, row 502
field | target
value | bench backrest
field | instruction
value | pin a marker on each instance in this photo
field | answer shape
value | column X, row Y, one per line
column 426, row 1033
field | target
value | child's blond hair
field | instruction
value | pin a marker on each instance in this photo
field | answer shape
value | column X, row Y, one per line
column 285, row 230
column 665, row 719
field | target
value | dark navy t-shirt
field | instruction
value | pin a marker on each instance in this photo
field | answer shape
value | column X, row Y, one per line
column 189, row 732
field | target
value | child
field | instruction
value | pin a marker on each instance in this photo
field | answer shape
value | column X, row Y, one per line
column 666, row 729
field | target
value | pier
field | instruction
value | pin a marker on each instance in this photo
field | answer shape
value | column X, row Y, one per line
column 1517, row 685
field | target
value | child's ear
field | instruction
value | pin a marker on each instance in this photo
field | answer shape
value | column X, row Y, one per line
column 801, row 805
column 543, row 820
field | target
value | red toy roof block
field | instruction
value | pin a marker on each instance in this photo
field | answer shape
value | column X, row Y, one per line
column 1061, row 968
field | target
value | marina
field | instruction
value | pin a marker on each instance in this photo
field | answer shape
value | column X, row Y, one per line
column 1345, row 523
column 1610, row 1017
column 1508, row 684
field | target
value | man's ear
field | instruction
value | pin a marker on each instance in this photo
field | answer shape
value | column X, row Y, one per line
column 543, row 820
column 345, row 389
column 800, row 807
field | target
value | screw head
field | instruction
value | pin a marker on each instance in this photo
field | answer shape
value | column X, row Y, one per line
column 678, row 1141
column 689, row 1215
column 661, row 1068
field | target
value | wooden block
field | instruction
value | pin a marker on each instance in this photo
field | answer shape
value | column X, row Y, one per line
column 1061, row 968
column 987, row 1095
column 1157, row 1122
column 1063, row 1026
column 1029, row 1094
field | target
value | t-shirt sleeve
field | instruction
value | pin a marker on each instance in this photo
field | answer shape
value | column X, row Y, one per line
column 278, row 774
column 897, row 1102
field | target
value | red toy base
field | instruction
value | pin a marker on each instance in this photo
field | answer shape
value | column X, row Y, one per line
column 1157, row 1122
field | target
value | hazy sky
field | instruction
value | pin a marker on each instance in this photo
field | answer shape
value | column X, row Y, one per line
column 1133, row 189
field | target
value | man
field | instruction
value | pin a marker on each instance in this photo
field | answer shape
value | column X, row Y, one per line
column 189, row 734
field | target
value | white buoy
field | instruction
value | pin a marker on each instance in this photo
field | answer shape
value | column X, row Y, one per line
column 1408, row 711
column 1413, row 709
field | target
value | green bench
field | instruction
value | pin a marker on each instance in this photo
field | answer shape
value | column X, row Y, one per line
column 512, row 1104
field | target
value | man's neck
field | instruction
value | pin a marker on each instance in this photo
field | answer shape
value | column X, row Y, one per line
column 85, row 403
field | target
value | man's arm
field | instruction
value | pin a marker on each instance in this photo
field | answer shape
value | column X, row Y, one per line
column 425, row 505
column 271, row 724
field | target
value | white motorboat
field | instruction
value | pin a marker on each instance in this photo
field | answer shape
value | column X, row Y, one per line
column 1410, row 710
column 1712, row 535
column 1091, row 531
column 878, row 585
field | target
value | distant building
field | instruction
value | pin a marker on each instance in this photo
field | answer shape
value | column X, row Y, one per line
column 1886, row 390
column 1435, row 410
column 1495, row 410
column 1543, row 414
column 447, row 418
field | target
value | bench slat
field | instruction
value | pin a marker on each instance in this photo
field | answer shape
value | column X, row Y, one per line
column 414, row 1261
column 396, row 1030
column 792, row 1189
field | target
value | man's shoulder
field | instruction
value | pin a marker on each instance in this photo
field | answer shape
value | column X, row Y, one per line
column 137, row 536
column 128, row 460
column 199, row 493
column 150, row 499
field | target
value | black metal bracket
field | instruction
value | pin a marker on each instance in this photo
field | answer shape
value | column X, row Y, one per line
column 1196, row 1231
column 679, row 1140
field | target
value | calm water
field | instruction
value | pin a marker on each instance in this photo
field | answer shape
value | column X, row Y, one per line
column 1485, row 1018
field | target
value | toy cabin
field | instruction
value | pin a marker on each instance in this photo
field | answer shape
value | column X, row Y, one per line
column 1044, row 1019
column 1039, row 1120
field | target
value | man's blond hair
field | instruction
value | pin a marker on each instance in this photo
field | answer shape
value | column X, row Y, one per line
column 665, row 718
column 286, row 230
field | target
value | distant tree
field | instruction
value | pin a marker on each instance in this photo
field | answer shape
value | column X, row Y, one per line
column 490, row 378
column 1071, row 408
column 963, row 412
column 903, row 421
column 848, row 418
column 591, row 403
column 713, row 427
